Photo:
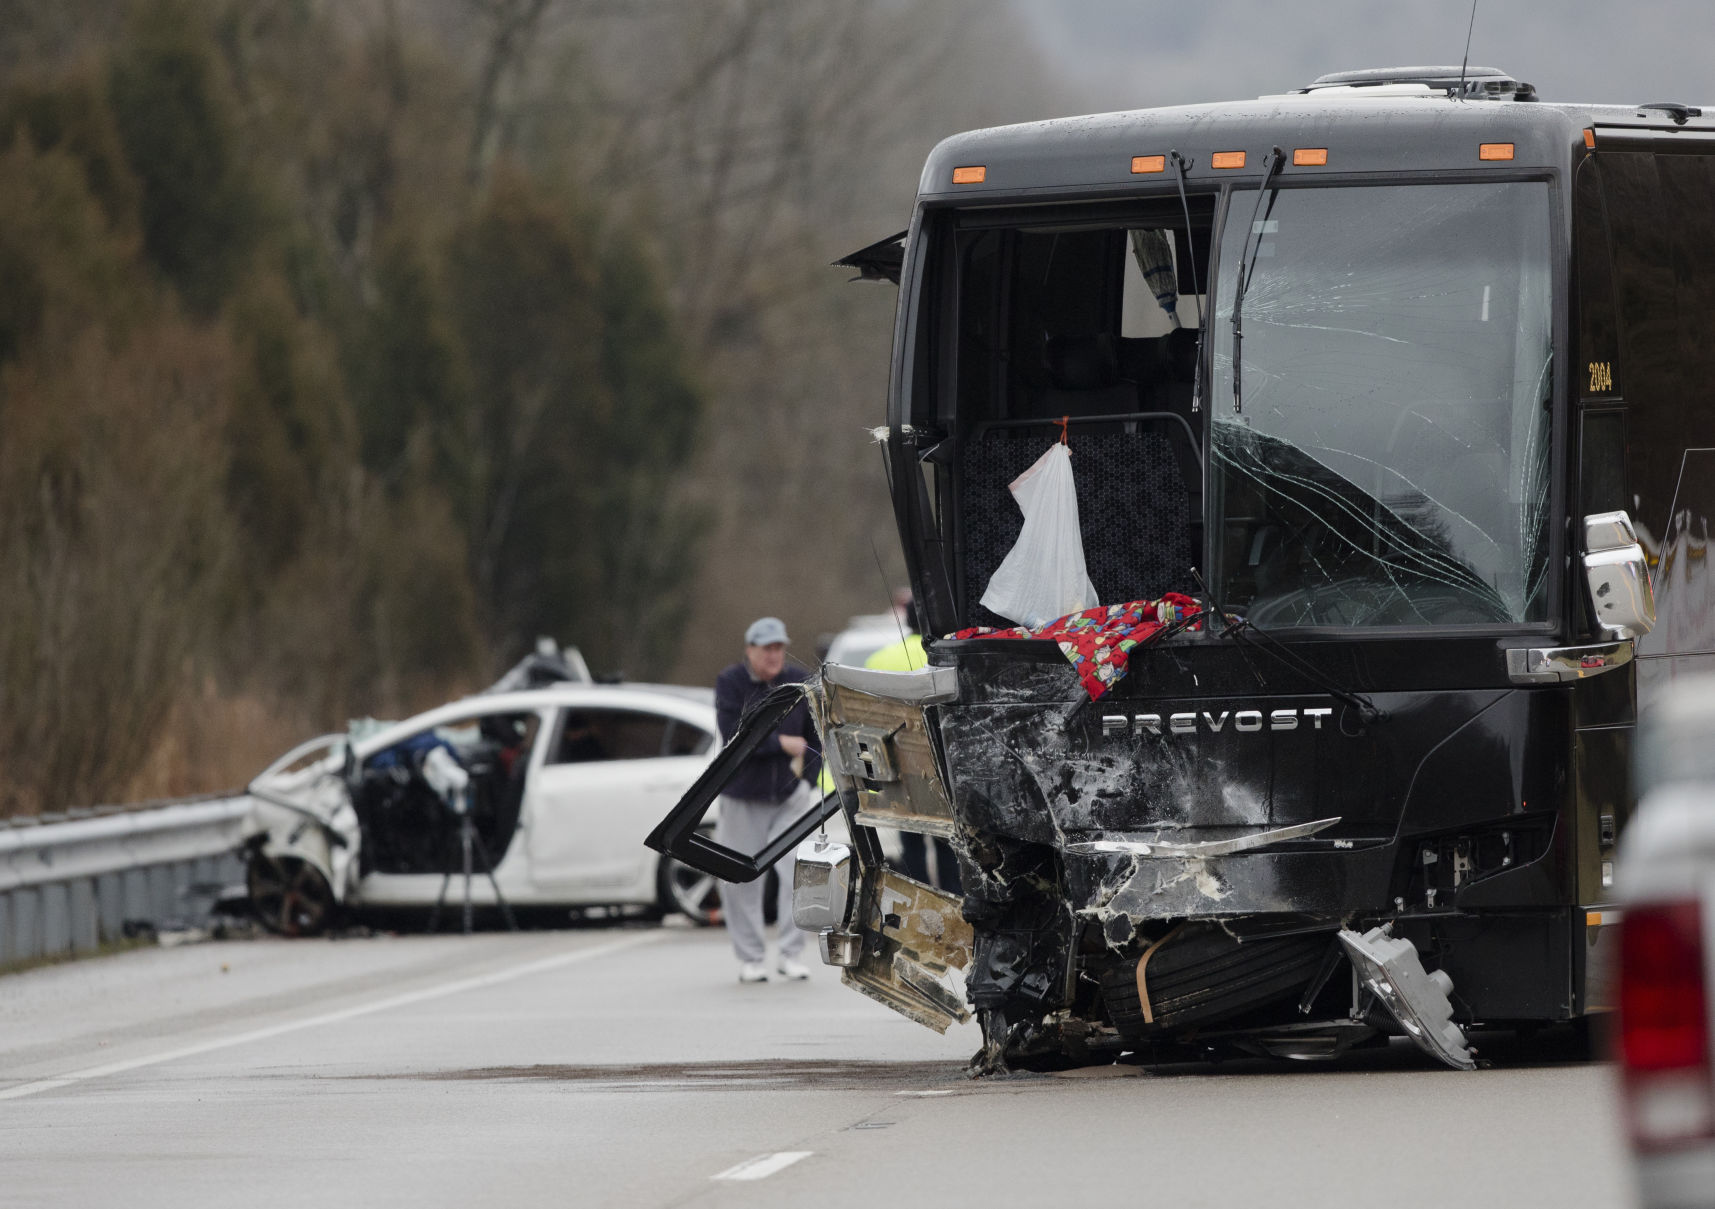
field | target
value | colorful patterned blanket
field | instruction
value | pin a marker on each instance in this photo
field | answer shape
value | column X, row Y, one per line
column 1099, row 641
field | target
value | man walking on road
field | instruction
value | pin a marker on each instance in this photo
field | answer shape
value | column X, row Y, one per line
column 764, row 796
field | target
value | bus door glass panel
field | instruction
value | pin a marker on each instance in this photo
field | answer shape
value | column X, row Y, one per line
column 1384, row 460
column 1663, row 242
column 605, row 779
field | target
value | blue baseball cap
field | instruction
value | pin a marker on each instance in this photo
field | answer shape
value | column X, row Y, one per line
column 764, row 631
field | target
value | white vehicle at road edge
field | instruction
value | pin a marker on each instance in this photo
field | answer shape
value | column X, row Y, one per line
column 564, row 783
column 1665, row 877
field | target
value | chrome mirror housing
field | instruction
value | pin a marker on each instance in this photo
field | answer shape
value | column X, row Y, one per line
column 1618, row 576
column 821, row 885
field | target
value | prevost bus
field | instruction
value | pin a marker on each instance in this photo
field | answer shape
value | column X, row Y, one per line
column 1410, row 379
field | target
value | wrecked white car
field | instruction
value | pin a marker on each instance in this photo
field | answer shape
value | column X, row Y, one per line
column 553, row 788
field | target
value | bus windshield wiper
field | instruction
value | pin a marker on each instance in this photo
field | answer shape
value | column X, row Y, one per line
column 1182, row 165
column 1231, row 625
column 1247, row 266
column 1242, row 630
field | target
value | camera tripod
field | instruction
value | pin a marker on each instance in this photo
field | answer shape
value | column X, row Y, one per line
column 471, row 845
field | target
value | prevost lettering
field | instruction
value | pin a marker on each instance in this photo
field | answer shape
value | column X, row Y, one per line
column 1189, row 722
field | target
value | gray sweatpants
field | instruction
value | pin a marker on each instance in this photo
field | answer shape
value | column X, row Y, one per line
column 745, row 825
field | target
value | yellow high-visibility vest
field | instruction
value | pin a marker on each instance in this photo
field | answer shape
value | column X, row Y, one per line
column 904, row 656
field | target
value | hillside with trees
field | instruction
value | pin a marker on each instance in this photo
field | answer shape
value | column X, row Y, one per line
column 347, row 347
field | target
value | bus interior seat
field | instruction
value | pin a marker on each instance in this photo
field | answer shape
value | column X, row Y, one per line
column 1083, row 379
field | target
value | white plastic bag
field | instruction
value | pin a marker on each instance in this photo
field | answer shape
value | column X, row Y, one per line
column 1043, row 575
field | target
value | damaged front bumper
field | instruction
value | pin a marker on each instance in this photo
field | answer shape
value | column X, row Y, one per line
column 302, row 838
column 1053, row 937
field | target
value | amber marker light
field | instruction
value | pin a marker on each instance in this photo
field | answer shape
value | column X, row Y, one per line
column 1495, row 151
column 1590, row 137
column 1310, row 157
column 1149, row 163
column 1227, row 159
column 973, row 175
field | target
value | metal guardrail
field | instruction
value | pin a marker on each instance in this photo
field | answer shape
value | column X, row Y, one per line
column 76, row 885
column 100, row 812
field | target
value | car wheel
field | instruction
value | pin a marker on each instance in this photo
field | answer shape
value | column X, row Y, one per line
column 289, row 895
column 689, row 892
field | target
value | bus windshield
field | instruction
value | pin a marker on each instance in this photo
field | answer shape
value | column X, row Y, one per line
column 1384, row 460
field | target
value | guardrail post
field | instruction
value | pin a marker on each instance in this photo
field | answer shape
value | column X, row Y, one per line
column 182, row 882
column 85, row 922
column 26, row 924
column 135, row 895
column 56, row 918
column 160, row 892
column 110, row 908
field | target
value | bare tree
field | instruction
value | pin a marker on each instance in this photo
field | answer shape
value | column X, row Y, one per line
column 512, row 26
column 759, row 140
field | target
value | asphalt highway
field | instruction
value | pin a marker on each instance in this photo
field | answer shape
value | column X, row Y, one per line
column 626, row 1066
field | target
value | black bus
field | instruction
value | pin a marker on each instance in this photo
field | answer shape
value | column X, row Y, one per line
column 1406, row 380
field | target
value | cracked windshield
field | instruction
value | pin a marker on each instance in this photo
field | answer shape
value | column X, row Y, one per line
column 1382, row 457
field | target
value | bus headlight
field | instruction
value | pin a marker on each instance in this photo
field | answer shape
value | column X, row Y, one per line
column 821, row 885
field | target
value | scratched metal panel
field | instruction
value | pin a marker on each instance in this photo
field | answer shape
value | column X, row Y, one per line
column 884, row 747
column 918, row 949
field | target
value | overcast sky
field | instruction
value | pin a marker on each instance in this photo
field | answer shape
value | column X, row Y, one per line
column 1124, row 54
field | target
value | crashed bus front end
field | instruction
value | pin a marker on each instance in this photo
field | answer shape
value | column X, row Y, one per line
column 1342, row 751
column 1197, row 863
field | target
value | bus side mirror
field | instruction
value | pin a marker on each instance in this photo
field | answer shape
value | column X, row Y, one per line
column 1618, row 576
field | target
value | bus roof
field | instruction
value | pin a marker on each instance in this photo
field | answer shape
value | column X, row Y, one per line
column 1362, row 130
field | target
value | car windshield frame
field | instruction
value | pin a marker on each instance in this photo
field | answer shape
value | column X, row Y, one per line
column 1538, row 272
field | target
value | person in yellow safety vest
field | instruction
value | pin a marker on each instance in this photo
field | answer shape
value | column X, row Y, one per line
column 904, row 656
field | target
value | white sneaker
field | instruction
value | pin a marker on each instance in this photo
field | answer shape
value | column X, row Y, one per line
column 753, row 971
column 793, row 970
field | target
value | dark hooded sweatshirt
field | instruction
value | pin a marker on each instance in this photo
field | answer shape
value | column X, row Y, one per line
column 766, row 775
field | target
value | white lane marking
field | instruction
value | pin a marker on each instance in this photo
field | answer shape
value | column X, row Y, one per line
column 943, row 1092
column 363, row 1009
column 763, row 1165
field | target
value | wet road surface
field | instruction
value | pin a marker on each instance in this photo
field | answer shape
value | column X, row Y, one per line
column 626, row 1066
